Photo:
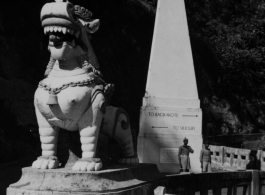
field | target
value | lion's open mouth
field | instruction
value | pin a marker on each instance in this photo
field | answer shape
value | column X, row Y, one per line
column 60, row 36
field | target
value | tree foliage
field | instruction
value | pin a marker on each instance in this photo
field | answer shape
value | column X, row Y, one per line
column 228, row 42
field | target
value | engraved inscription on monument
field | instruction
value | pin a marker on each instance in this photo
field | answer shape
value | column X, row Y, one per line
column 183, row 127
column 163, row 114
column 169, row 155
column 182, row 121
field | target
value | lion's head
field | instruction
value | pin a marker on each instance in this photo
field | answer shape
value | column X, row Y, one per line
column 69, row 27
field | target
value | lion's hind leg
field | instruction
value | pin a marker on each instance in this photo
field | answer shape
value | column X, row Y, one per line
column 117, row 125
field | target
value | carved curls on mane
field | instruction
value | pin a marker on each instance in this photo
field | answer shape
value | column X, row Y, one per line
column 49, row 67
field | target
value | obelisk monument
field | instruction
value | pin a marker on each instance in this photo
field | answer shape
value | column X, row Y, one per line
column 171, row 108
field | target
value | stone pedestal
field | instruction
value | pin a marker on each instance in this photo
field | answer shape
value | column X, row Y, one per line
column 171, row 107
column 120, row 180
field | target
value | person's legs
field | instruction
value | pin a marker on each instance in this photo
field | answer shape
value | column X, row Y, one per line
column 184, row 162
column 209, row 167
column 204, row 166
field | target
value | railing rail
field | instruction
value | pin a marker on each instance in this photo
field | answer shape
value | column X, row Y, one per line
column 230, row 183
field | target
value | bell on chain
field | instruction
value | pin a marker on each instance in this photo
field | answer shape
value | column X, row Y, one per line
column 53, row 99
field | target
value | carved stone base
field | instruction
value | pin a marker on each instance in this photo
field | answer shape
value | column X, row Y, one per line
column 119, row 179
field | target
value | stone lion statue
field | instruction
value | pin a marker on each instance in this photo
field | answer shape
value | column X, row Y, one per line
column 73, row 95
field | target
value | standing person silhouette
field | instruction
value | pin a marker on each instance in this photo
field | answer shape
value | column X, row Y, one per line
column 183, row 155
column 205, row 158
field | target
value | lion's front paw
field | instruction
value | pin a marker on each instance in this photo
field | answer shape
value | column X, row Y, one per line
column 43, row 162
column 88, row 164
column 129, row 160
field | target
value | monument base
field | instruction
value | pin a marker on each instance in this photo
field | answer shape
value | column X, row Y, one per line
column 162, row 131
column 163, row 151
column 133, row 179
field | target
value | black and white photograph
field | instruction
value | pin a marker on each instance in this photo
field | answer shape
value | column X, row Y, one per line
column 132, row 97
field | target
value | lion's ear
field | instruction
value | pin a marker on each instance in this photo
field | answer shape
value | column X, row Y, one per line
column 93, row 25
column 90, row 26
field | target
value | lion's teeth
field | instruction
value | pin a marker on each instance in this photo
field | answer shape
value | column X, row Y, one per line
column 64, row 30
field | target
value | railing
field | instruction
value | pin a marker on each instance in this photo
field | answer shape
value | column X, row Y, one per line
column 230, row 183
column 227, row 158
column 217, row 155
column 241, row 179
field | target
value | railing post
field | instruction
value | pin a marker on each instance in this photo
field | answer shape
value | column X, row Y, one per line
column 258, row 161
column 222, row 155
column 262, row 167
column 229, row 191
column 160, row 190
column 235, row 190
column 255, row 183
